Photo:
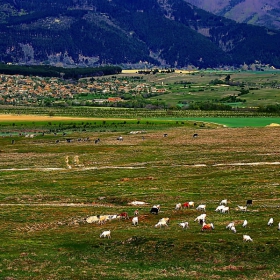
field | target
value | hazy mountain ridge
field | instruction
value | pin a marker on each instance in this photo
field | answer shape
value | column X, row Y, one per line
column 258, row 12
column 160, row 32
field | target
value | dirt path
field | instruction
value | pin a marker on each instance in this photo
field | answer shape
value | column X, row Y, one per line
column 139, row 167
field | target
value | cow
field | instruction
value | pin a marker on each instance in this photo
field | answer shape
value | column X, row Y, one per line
column 154, row 210
column 249, row 202
column 123, row 215
column 207, row 227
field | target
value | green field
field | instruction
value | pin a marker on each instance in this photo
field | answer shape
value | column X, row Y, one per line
column 49, row 187
column 263, row 87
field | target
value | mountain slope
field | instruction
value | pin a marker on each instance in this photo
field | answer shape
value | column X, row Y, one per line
column 257, row 12
column 160, row 32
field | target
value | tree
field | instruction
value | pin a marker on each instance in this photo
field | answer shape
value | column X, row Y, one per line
column 227, row 78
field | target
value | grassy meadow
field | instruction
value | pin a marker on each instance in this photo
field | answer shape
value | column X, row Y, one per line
column 48, row 186
column 197, row 86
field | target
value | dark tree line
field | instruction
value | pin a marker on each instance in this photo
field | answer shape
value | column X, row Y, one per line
column 51, row 71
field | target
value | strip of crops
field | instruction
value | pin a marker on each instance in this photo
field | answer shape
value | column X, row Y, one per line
column 128, row 113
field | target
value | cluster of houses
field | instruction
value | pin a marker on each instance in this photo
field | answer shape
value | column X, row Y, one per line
column 33, row 90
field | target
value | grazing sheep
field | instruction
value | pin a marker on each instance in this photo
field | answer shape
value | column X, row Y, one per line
column 103, row 219
column 247, row 238
column 112, row 217
column 106, row 233
column 225, row 210
column 191, row 204
column 161, row 224
column 200, row 218
column 270, row 222
column 135, row 221
column 278, row 226
column 245, row 223
column 233, row 229
column 224, row 202
column 184, row 225
column 92, row 219
column 230, row 225
column 165, row 220
column 178, row 206
column 201, row 207
column 242, row 208
column 220, row 208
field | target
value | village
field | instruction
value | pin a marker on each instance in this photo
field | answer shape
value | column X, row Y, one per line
column 19, row 90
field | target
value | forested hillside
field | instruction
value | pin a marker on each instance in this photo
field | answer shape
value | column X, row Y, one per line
column 169, row 33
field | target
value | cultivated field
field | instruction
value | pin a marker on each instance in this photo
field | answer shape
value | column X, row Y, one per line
column 49, row 186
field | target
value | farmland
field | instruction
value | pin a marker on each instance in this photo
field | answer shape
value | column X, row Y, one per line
column 49, row 186
column 205, row 90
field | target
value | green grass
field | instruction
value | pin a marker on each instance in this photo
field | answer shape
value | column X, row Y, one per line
column 44, row 235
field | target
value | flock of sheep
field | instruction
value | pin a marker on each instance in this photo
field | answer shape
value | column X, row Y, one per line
column 163, row 222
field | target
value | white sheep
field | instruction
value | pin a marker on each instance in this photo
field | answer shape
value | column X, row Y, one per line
column 230, row 225
column 191, row 204
column 161, row 224
column 112, row 217
column 225, row 210
column 164, row 220
column 233, row 229
column 103, row 219
column 247, row 238
column 278, row 226
column 200, row 218
column 184, row 225
column 178, row 206
column 201, row 207
column 92, row 219
column 242, row 208
column 270, row 222
column 135, row 221
column 106, row 233
column 220, row 208
column 224, row 202
column 245, row 223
